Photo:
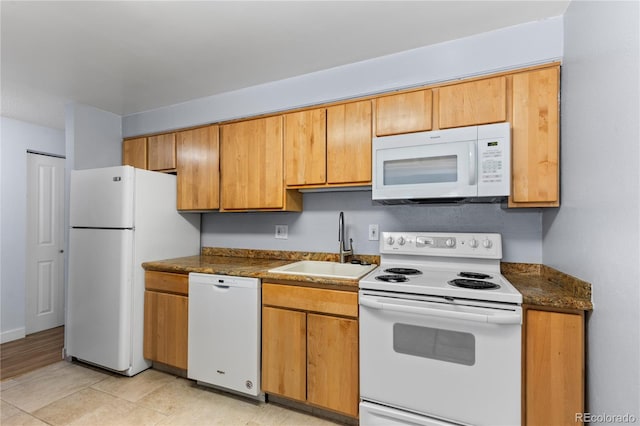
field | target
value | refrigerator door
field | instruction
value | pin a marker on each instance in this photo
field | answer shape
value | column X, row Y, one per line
column 102, row 198
column 98, row 328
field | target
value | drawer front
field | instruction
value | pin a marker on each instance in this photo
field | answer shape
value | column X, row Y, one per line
column 335, row 302
column 167, row 282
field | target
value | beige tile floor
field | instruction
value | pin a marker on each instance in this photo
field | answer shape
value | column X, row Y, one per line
column 67, row 393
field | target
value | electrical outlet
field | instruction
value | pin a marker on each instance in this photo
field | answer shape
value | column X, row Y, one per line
column 282, row 232
column 373, row 232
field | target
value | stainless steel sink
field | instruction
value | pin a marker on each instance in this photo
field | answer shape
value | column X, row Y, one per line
column 318, row 268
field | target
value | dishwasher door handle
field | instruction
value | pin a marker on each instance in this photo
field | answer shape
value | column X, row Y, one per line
column 221, row 286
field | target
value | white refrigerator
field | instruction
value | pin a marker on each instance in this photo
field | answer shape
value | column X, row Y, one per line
column 120, row 217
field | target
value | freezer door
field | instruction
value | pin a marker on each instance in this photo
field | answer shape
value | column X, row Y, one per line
column 99, row 302
column 102, row 198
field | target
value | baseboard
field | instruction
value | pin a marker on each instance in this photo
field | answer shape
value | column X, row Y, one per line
column 15, row 334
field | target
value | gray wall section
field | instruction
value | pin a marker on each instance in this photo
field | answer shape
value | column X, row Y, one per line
column 316, row 228
column 480, row 54
column 96, row 137
column 17, row 137
column 595, row 234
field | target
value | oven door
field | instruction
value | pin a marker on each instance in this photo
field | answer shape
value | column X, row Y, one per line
column 459, row 362
column 413, row 167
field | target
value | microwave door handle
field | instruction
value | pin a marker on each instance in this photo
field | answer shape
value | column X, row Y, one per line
column 473, row 164
column 466, row 316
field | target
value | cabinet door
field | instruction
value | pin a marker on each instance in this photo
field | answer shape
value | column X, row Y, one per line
column 332, row 351
column 305, row 147
column 284, row 353
column 134, row 153
column 349, row 143
column 535, row 176
column 166, row 328
column 198, row 176
column 403, row 113
column 554, row 367
column 251, row 164
column 476, row 102
column 162, row 152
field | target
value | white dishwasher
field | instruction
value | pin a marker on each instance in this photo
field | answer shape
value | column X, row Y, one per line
column 224, row 332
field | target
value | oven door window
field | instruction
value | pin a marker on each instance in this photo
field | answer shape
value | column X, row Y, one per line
column 421, row 170
column 434, row 343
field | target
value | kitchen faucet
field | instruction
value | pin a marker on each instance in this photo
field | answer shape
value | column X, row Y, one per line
column 343, row 250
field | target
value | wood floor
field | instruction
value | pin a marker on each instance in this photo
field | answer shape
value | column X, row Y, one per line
column 34, row 351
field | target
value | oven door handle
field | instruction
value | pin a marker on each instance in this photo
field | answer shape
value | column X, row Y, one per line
column 467, row 316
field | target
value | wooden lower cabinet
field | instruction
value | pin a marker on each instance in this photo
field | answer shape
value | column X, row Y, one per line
column 166, row 317
column 311, row 356
column 332, row 363
column 284, row 343
column 553, row 367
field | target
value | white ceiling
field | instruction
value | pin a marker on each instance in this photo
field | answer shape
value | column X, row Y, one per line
column 132, row 56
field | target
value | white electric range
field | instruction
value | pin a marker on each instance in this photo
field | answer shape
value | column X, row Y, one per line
column 440, row 333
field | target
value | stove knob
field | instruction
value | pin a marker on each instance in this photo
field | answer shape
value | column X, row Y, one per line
column 401, row 241
column 473, row 243
column 390, row 241
column 487, row 243
column 450, row 242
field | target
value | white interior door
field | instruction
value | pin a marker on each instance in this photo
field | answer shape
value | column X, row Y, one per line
column 45, row 243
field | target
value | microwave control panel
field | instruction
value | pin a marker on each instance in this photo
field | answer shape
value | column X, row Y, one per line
column 494, row 164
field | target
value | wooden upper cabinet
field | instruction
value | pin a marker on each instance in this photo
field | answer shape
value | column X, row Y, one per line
column 162, row 152
column 305, row 147
column 134, row 153
column 251, row 166
column 349, row 143
column 535, row 139
column 198, row 176
column 404, row 113
column 475, row 102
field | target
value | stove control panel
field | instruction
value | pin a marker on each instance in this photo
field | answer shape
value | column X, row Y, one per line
column 453, row 244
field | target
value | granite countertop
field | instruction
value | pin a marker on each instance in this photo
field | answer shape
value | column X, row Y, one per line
column 255, row 264
column 540, row 285
column 544, row 286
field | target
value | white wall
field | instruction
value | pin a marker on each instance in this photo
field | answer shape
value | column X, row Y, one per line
column 595, row 234
column 16, row 138
column 480, row 54
column 316, row 228
column 93, row 137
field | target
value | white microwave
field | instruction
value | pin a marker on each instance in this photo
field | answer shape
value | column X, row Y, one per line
column 453, row 165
